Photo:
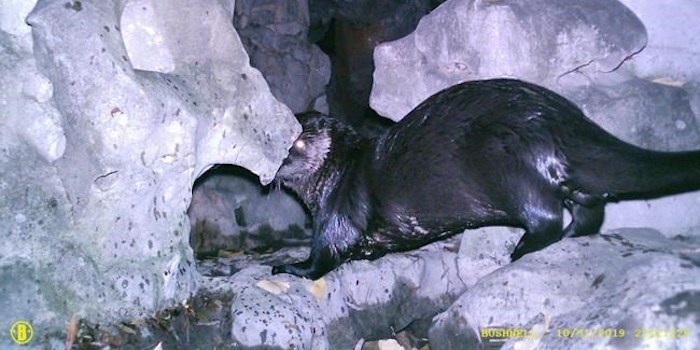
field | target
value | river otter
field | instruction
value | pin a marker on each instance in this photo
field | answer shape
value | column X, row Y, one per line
column 481, row 153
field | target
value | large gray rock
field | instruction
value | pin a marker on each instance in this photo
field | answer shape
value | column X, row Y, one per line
column 673, row 51
column 546, row 42
column 361, row 300
column 632, row 281
column 232, row 212
column 100, row 147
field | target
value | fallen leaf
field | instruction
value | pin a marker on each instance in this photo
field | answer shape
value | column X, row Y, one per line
column 273, row 286
column 318, row 288
column 389, row 344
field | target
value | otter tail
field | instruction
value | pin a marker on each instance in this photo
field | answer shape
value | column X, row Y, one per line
column 628, row 172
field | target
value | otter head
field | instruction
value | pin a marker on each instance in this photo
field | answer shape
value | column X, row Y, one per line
column 309, row 152
column 322, row 149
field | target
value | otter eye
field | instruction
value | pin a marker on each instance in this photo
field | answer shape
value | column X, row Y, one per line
column 299, row 144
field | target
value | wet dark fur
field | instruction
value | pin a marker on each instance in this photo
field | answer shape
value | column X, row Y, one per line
column 482, row 153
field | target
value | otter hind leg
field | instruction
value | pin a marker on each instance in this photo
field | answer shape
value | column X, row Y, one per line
column 543, row 226
column 585, row 220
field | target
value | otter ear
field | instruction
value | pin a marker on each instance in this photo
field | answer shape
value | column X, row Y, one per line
column 305, row 117
column 315, row 121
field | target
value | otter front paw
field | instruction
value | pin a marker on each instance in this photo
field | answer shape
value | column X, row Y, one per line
column 304, row 269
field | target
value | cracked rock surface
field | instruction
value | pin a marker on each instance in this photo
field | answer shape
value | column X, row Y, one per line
column 539, row 41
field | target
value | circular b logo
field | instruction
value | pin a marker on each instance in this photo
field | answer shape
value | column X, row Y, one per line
column 21, row 332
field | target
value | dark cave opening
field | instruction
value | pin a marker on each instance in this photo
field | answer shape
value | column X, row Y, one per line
column 231, row 213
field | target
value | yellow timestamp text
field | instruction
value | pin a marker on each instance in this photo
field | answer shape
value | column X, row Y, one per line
column 670, row 333
column 501, row 333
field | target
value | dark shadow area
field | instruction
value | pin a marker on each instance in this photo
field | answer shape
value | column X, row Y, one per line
column 231, row 213
column 348, row 33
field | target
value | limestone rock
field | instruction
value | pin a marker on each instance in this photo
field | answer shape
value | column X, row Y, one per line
column 537, row 40
column 632, row 281
column 673, row 50
column 360, row 300
column 99, row 150
column 674, row 45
